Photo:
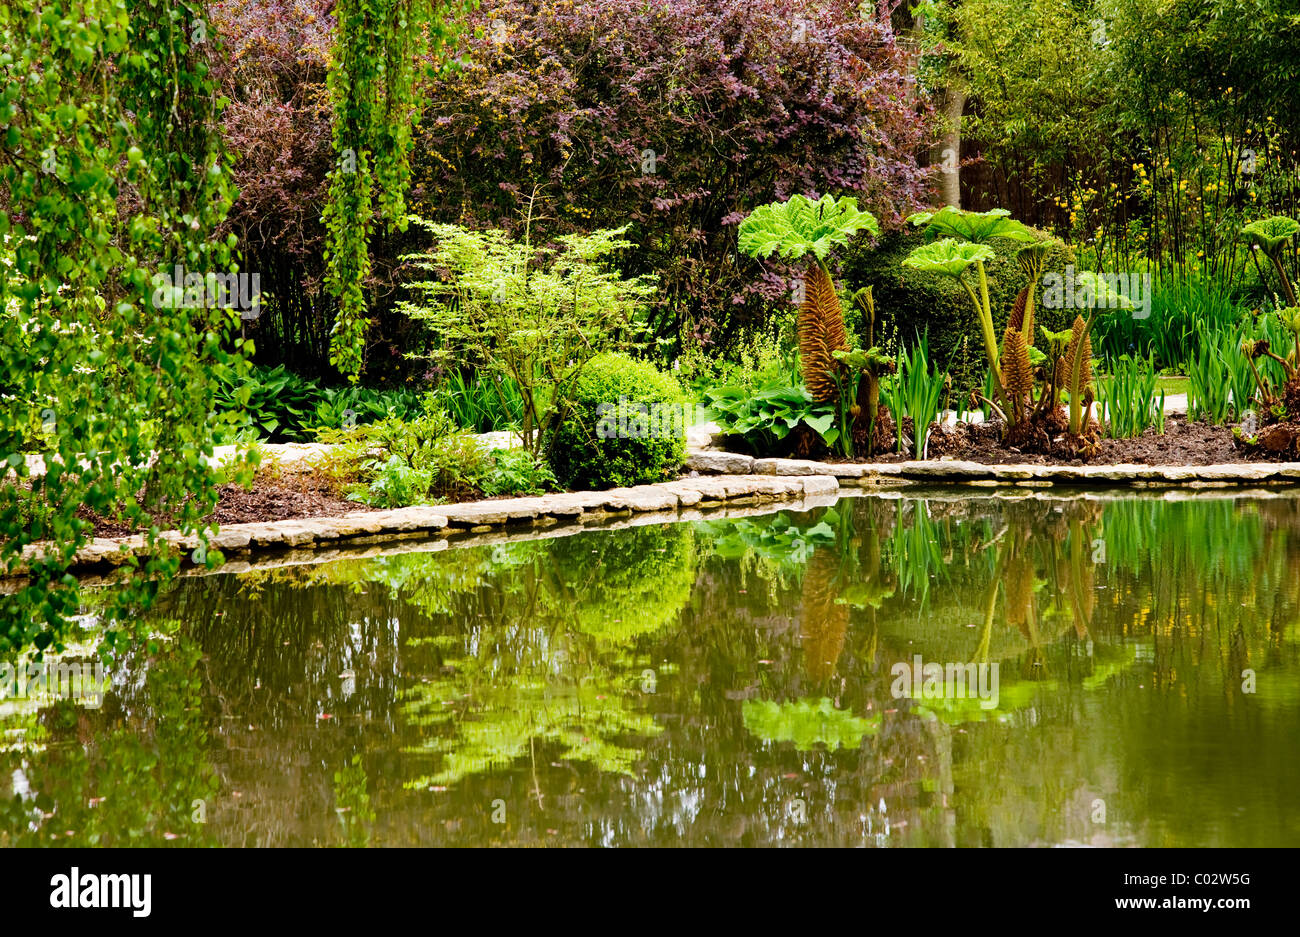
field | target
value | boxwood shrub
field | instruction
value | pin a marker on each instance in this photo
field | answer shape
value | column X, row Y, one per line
column 910, row 302
column 607, row 440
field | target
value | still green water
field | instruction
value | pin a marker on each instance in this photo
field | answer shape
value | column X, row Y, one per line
column 720, row 682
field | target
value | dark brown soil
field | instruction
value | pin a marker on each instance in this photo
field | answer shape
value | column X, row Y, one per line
column 1182, row 443
column 270, row 500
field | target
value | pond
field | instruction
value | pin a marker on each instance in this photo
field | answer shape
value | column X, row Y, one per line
column 754, row 680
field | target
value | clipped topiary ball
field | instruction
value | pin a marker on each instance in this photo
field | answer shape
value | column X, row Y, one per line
column 627, row 426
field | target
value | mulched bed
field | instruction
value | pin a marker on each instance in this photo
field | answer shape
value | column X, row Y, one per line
column 1182, row 443
column 291, row 498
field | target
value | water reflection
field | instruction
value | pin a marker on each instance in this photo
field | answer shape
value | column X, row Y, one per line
column 724, row 682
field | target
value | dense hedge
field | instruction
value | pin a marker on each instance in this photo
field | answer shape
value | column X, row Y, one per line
column 908, row 301
column 601, row 445
column 679, row 117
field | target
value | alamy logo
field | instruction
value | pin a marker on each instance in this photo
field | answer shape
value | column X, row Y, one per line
column 1088, row 290
column 628, row 420
column 103, row 891
column 179, row 288
column 82, row 681
column 919, row 680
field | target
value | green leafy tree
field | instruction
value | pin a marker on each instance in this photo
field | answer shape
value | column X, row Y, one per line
column 533, row 315
column 372, row 86
column 112, row 171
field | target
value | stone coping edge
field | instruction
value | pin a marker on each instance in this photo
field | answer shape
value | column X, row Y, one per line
column 885, row 473
column 449, row 520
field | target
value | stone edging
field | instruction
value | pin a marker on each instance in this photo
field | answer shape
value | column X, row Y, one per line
column 719, row 479
column 977, row 473
column 360, row 527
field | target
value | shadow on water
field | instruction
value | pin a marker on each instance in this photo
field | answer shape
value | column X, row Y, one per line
column 723, row 682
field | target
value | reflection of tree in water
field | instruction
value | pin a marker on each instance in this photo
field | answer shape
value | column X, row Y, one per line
column 300, row 678
column 515, row 676
column 135, row 772
column 566, row 684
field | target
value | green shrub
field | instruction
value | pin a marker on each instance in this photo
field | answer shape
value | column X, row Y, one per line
column 516, row 472
column 605, row 440
column 910, row 302
column 395, row 463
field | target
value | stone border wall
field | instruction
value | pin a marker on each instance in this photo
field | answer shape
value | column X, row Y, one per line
column 943, row 470
column 665, row 501
column 718, row 479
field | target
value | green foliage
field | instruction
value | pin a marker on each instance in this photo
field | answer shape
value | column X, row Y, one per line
column 909, row 299
column 776, row 541
column 101, row 112
column 807, row 723
column 516, row 472
column 763, row 417
column 1270, row 234
column 793, row 229
column 1221, row 384
column 972, row 226
column 801, row 226
column 273, row 402
column 626, row 425
column 394, row 462
column 915, row 392
column 526, row 315
column 1181, row 309
column 1128, row 398
column 277, row 405
column 138, row 784
column 372, row 91
column 396, row 484
column 336, row 407
column 948, row 257
column 483, row 404
column 614, row 588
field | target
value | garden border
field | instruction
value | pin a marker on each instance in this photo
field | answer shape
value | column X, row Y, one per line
column 717, row 479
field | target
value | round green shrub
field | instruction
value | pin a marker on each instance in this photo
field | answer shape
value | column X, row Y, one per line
column 605, row 441
column 908, row 301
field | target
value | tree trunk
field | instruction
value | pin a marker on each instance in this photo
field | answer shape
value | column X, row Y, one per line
column 947, row 153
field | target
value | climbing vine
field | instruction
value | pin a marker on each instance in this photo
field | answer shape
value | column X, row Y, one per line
column 372, row 81
column 112, row 181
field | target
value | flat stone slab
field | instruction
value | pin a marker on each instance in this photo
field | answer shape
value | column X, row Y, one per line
column 801, row 481
column 977, row 472
column 661, row 501
column 720, row 463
